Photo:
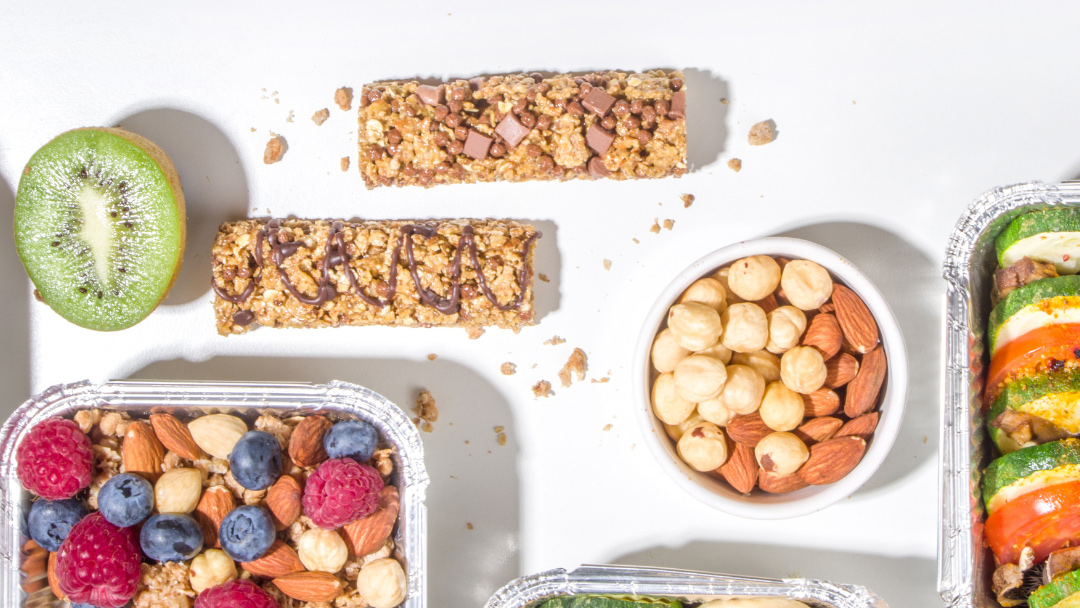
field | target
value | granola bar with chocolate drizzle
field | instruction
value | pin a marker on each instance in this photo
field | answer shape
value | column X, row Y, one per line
column 327, row 273
column 522, row 127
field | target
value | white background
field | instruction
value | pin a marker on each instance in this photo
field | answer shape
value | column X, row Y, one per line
column 891, row 119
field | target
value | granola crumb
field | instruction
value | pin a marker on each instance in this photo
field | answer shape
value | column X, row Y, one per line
column 499, row 429
column 426, row 408
column 924, row 438
column 760, row 134
column 432, row 357
column 577, row 364
column 603, row 380
column 320, row 116
column 735, row 164
column 607, row 427
column 426, row 426
column 655, row 226
column 508, row 369
column 344, row 163
column 543, row 277
column 607, row 264
column 475, row 333
column 636, row 242
column 290, row 117
column 724, row 100
column 163, row 585
column 343, row 98
column 541, row 389
column 687, row 200
column 252, row 129
column 275, row 149
column 469, row 525
column 669, row 224
column 502, row 439
column 553, row 341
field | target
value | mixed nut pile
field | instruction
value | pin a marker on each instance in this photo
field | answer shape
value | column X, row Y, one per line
column 295, row 512
column 768, row 375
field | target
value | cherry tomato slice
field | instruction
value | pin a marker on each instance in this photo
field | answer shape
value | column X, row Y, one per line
column 1045, row 520
column 1060, row 342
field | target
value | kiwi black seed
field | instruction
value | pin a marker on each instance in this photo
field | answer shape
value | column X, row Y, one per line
column 100, row 226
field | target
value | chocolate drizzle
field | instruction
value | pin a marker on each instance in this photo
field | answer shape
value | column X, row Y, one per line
column 336, row 254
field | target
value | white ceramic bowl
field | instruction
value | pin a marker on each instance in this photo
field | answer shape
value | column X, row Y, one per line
column 758, row 505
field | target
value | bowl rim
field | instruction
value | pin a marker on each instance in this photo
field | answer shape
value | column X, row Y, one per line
column 717, row 493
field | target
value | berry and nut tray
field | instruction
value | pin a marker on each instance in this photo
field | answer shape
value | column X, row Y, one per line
column 278, row 494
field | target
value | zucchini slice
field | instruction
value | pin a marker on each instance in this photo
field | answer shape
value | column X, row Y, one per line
column 1029, row 469
column 1054, row 397
column 596, row 601
column 1047, row 235
column 1052, row 301
column 1063, row 592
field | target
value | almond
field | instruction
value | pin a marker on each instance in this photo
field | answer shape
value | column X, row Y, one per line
column 855, row 319
column 822, row 402
column 831, row 460
column 283, row 499
column 741, row 470
column 819, row 429
column 54, row 582
column 34, row 566
column 863, row 426
column 779, row 484
column 310, row 586
column 280, row 560
column 748, row 429
column 768, row 303
column 828, row 307
column 840, row 370
column 216, row 434
column 862, row 392
column 306, row 443
column 142, row 452
column 215, row 504
column 369, row 534
column 824, row 334
column 175, row 436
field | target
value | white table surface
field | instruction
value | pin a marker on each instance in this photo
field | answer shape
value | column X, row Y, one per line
column 890, row 119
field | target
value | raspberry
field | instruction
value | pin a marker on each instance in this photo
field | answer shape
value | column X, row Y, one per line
column 340, row 491
column 55, row 459
column 235, row 594
column 98, row 563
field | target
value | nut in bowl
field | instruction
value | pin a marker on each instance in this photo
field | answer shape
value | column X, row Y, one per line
column 771, row 378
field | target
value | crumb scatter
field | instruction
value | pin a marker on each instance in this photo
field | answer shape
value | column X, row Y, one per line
column 425, row 407
column 275, row 149
column 508, row 369
column 542, row 389
column 553, row 341
column 687, row 200
column 343, row 98
column 543, row 277
column 761, row 134
column 655, row 229
column 575, row 368
column 607, row 264
column 669, row 224
column 735, row 164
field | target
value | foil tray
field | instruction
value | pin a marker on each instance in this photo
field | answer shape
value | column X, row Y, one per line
column 683, row 585
column 965, row 564
column 337, row 400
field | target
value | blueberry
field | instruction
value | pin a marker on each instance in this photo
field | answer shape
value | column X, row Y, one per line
column 126, row 500
column 354, row 439
column 50, row 521
column 171, row 537
column 247, row 532
column 256, row 460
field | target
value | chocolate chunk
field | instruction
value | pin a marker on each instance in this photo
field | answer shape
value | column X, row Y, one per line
column 476, row 83
column 597, row 168
column 511, row 129
column 597, row 101
column 243, row 318
column 429, row 95
column 599, row 139
column 477, row 145
column 678, row 105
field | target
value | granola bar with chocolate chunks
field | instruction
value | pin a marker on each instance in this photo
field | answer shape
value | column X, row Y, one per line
column 327, row 273
column 523, row 127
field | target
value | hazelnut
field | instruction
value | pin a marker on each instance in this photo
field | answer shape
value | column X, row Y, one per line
column 714, row 411
column 706, row 291
column 722, row 276
column 675, row 431
column 703, row 447
column 698, row 378
column 211, row 568
column 746, row 328
column 668, row 405
column 382, row 583
column 781, row 453
column 781, row 408
column 764, row 362
column 178, row 491
column 717, row 351
column 322, row 550
column 666, row 352
column 754, row 278
column 743, row 390
column 694, row 325
column 806, row 284
column 803, row 369
column 786, row 326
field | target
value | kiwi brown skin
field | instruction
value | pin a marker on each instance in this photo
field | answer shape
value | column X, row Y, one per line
column 162, row 160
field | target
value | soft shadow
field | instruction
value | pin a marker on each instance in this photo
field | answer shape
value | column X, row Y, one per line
column 900, row 581
column 214, row 183
column 548, row 262
column 15, row 302
column 703, row 94
column 474, row 480
column 910, row 283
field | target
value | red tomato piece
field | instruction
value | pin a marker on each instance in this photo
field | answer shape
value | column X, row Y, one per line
column 1059, row 342
column 1045, row 520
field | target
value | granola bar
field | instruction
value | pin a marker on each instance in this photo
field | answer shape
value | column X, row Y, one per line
column 327, row 273
column 523, row 127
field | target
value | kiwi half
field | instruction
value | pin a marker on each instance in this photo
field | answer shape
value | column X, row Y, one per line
column 100, row 227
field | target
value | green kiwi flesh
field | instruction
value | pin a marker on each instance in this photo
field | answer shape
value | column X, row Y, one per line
column 99, row 226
